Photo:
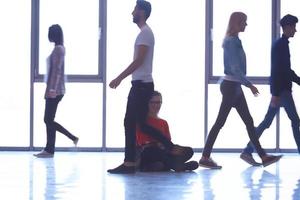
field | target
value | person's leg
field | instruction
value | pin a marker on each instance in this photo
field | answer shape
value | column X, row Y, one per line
column 214, row 131
column 64, row 131
column 61, row 129
column 130, row 122
column 130, row 126
column 136, row 114
column 50, row 111
column 290, row 108
column 154, row 158
column 272, row 111
column 227, row 98
column 244, row 113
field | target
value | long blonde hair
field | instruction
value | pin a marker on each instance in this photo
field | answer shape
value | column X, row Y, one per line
column 234, row 23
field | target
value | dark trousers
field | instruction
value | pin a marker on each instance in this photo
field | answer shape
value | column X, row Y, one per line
column 233, row 96
column 286, row 101
column 51, row 125
column 152, row 155
column 136, row 114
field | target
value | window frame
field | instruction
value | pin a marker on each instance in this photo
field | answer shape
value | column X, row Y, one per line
column 35, row 40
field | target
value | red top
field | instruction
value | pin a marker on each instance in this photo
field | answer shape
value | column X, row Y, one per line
column 160, row 124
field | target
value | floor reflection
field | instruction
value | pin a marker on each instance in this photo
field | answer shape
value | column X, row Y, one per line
column 78, row 175
column 259, row 181
column 206, row 176
column 296, row 194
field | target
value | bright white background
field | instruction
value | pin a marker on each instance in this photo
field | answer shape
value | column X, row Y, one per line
column 179, row 66
column 79, row 21
column 15, row 72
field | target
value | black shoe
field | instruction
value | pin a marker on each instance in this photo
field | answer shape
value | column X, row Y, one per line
column 122, row 169
column 191, row 165
column 44, row 154
column 269, row 159
column 188, row 166
column 249, row 159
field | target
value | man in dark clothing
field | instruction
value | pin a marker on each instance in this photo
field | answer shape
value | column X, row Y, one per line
column 281, row 80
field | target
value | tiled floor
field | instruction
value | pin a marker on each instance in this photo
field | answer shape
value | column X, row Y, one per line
column 74, row 175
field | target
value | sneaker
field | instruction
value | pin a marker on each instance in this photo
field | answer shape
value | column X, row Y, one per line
column 209, row 163
column 188, row 166
column 44, row 154
column 191, row 165
column 181, row 154
column 249, row 159
column 122, row 169
column 75, row 141
column 270, row 159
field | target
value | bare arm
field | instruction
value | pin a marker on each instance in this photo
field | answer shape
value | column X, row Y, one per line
column 142, row 51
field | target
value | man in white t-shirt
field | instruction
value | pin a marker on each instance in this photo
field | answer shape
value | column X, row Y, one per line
column 140, row 92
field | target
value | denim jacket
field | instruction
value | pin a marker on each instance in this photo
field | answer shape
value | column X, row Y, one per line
column 235, row 59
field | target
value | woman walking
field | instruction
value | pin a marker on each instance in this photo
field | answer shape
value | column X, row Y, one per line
column 232, row 93
column 55, row 91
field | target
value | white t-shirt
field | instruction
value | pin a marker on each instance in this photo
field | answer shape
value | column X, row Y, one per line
column 144, row 72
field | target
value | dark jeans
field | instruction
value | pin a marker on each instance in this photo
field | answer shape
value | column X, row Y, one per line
column 154, row 154
column 136, row 114
column 233, row 96
column 286, row 101
column 51, row 125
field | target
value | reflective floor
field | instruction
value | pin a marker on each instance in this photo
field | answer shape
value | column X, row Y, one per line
column 74, row 175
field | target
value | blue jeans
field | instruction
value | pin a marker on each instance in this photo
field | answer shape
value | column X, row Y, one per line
column 286, row 101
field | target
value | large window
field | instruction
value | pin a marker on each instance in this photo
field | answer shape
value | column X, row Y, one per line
column 15, row 73
column 99, row 38
column 80, row 22
column 178, row 66
column 80, row 111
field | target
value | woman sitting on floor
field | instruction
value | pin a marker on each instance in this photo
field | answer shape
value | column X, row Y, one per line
column 153, row 156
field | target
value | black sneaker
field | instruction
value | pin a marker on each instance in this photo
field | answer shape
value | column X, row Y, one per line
column 191, row 165
column 122, row 169
column 270, row 159
column 249, row 159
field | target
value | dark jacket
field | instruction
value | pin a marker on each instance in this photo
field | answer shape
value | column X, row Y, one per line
column 282, row 75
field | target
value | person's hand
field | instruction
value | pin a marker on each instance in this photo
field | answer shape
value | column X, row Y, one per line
column 275, row 101
column 115, row 83
column 51, row 94
column 254, row 90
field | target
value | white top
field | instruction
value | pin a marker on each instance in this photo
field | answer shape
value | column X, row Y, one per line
column 144, row 72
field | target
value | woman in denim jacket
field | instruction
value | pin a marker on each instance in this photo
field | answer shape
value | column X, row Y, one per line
column 232, row 93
